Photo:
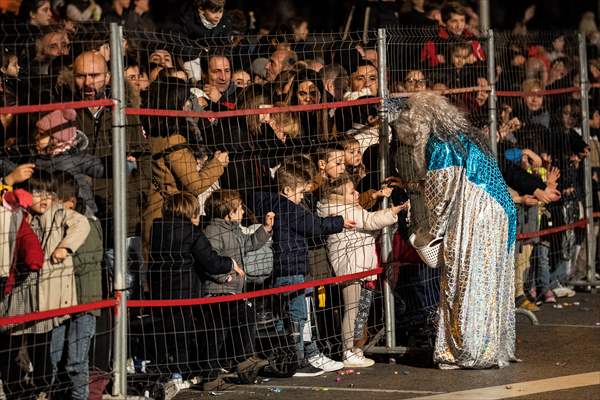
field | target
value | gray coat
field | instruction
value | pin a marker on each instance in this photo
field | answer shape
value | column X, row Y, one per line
column 228, row 240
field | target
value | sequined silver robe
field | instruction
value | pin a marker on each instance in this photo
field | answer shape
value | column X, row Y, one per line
column 469, row 205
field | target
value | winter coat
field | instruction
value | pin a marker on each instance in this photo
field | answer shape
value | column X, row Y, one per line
column 79, row 163
column 180, row 258
column 293, row 225
column 443, row 43
column 87, row 262
column 99, row 133
column 228, row 240
column 174, row 170
column 188, row 23
column 58, row 227
column 21, row 255
column 353, row 251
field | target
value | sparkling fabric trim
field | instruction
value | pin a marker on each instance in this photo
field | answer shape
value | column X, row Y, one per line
column 480, row 169
column 468, row 203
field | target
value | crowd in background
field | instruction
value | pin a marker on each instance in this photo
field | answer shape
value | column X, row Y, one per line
column 218, row 206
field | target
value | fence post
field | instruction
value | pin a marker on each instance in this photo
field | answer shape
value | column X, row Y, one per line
column 119, row 211
column 386, row 239
column 493, row 99
column 585, row 128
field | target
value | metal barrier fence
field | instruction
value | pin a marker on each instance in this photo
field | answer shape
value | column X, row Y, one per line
column 158, row 331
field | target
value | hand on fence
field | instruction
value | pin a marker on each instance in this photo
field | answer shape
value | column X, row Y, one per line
column 19, row 174
column 269, row 221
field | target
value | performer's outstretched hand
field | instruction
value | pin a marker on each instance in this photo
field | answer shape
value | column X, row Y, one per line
column 404, row 206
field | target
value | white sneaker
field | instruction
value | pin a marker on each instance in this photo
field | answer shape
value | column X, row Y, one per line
column 563, row 291
column 356, row 359
column 325, row 363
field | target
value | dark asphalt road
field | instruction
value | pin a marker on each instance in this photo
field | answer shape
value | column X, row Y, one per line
column 567, row 342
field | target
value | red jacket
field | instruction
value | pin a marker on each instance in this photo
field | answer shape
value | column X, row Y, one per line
column 430, row 51
column 28, row 254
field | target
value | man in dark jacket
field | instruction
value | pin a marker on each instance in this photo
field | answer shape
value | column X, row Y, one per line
column 202, row 20
column 116, row 11
column 293, row 226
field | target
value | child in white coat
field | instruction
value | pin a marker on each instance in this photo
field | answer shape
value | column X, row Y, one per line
column 354, row 251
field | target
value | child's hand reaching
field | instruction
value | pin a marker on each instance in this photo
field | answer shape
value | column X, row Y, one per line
column 529, row 200
column 59, row 255
column 348, row 224
column 269, row 221
column 404, row 206
column 553, row 176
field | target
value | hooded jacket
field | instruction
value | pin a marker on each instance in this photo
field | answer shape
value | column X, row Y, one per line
column 227, row 239
column 353, row 251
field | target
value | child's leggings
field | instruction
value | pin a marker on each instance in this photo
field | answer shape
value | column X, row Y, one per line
column 357, row 302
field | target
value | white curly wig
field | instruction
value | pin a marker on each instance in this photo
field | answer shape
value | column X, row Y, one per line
column 425, row 114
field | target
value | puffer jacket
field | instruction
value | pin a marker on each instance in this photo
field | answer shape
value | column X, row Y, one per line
column 354, row 251
column 180, row 259
column 293, row 225
column 228, row 240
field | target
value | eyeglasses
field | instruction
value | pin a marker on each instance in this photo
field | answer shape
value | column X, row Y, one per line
column 43, row 193
column 416, row 81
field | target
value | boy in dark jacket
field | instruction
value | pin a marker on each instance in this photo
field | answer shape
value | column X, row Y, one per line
column 180, row 256
column 293, row 226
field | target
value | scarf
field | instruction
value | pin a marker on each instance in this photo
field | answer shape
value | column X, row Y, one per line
column 206, row 23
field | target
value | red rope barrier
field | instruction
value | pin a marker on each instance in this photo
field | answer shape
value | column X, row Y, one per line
column 55, row 106
column 579, row 224
column 252, row 295
column 508, row 93
column 253, row 111
column 58, row 312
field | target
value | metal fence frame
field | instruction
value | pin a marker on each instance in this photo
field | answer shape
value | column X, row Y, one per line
column 389, row 332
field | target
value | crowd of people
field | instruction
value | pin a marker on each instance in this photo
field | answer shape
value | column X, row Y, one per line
column 220, row 206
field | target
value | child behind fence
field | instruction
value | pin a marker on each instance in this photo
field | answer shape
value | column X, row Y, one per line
column 180, row 255
column 87, row 264
column 233, row 321
column 61, row 232
column 354, row 251
column 293, row 226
